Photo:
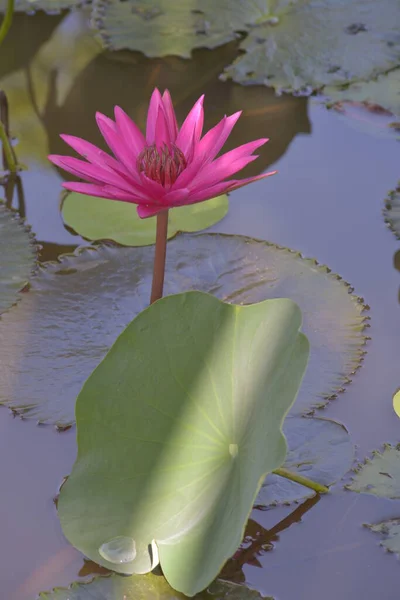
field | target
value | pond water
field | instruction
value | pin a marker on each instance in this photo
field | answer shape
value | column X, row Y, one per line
column 326, row 201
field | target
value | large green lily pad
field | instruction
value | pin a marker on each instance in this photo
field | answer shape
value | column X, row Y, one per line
column 319, row 449
column 379, row 475
column 176, row 429
column 172, row 28
column 383, row 91
column 391, row 211
column 78, row 306
column 145, row 587
column 305, row 45
column 99, row 219
column 17, row 257
column 390, row 531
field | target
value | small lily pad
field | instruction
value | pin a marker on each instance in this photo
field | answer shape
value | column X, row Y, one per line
column 17, row 257
column 396, row 403
column 145, row 587
column 301, row 46
column 391, row 211
column 176, row 429
column 379, row 475
column 99, row 219
column 383, row 91
column 172, row 28
column 390, row 531
column 78, row 306
column 319, row 449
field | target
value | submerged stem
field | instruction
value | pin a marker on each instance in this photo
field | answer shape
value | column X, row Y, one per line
column 313, row 485
column 7, row 20
column 159, row 257
column 9, row 159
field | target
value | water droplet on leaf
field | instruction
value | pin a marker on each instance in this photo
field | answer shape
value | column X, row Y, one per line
column 118, row 550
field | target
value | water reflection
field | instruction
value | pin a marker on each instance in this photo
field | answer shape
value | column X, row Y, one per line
column 396, row 262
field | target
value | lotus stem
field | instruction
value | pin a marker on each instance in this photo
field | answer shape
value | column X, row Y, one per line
column 7, row 20
column 9, row 159
column 313, row 485
column 159, row 257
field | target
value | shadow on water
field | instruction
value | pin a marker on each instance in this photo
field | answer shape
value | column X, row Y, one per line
column 331, row 184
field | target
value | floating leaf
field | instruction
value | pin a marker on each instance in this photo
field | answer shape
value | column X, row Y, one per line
column 390, row 531
column 319, row 449
column 98, row 219
column 17, row 258
column 172, row 28
column 194, row 391
column 396, row 403
column 303, row 46
column 77, row 307
column 145, row 587
column 383, row 91
column 379, row 475
column 53, row 7
column 391, row 211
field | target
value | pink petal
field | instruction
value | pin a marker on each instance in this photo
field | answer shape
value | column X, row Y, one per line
column 191, row 130
column 85, row 188
column 176, row 198
column 148, row 211
column 154, row 189
column 111, row 135
column 210, row 192
column 161, row 131
column 117, row 194
column 90, row 172
column 170, row 115
column 155, row 102
column 235, row 184
column 134, row 138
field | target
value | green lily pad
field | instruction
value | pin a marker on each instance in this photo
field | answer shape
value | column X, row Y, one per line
column 391, row 211
column 383, row 91
column 99, row 219
column 319, row 449
column 145, row 587
column 17, row 257
column 302, row 45
column 390, row 531
column 78, row 306
column 176, row 429
column 379, row 475
column 49, row 6
column 172, row 28
column 396, row 403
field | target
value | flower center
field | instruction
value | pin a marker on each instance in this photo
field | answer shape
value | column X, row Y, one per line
column 162, row 164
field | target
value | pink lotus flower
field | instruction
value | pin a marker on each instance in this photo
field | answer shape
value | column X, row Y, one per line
column 169, row 167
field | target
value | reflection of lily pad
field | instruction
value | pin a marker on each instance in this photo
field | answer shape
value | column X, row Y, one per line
column 396, row 403
column 17, row 257
column 379, row 475
column 319, row 449
column 390, row 531
column 195, row 392
column 100, row 219
column 303, row 46
column 50, row 6
column 383, row 91
column 172, row 28
column 145, row 587
column 391, row 211
column 76, row 309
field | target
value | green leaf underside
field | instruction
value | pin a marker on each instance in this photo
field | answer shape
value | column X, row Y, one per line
column 49, row 6
column 99, row 219
column 76, row 309
column 379, row 475
column 319, row 449
column 145, row 587
column 173, row 28
column 383, row 91
column 390, row 531
column 177, row 428
column 17, row 257
column 391, row 211
column 330, row 42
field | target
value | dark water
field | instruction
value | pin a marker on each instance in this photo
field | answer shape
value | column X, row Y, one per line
column 326, row 202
